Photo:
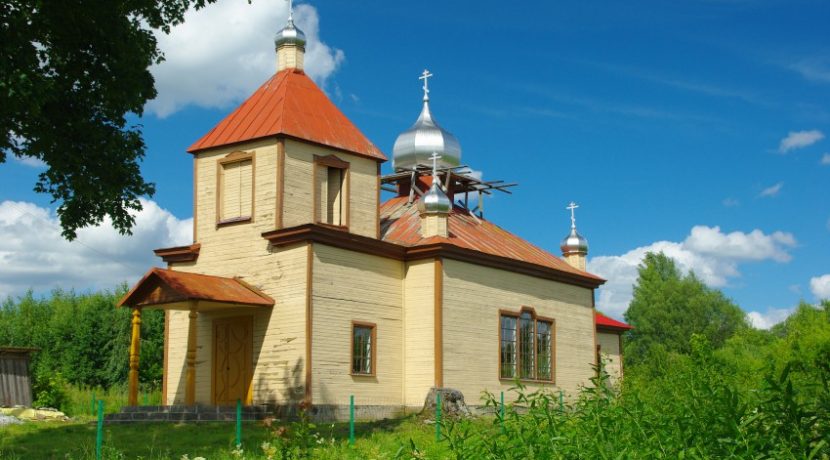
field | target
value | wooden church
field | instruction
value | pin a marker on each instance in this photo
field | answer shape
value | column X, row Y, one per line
column 302, row 285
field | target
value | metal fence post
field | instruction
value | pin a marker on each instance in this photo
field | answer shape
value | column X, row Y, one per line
column 238, row 423
column 501, row 411
column 351, row 420
column 99, row 437
column 437, row 416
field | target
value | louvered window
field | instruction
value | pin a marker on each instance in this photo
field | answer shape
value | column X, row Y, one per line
column 236, row 188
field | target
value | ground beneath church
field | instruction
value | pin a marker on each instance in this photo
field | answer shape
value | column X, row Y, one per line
column 150, row 441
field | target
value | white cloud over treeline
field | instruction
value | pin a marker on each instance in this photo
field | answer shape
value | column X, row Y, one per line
column 223, row 52
column 34, row 255
column 713, row 255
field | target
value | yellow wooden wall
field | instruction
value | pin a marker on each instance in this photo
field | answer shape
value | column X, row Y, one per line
column 362, row 189
column 278, row 332
column 419, row 327
column 473, row 296
column 350, row 286
column 610, row 349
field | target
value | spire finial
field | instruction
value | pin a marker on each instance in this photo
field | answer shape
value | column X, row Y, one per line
column 290, row 10
column 572, row 206
column 425, row 77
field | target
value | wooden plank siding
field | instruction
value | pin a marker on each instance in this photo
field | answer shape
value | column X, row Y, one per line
column 419, row 332
column 473, row 296
column 350, row 286
column 610, row 350
column 15, row 380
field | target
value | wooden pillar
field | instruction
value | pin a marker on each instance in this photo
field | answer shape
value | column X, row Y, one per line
column 135, row 347
column 190, row 382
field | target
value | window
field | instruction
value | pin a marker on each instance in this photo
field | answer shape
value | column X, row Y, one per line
column 526, row 346
column 235, row 188
column 363, row 348
column 331, row 191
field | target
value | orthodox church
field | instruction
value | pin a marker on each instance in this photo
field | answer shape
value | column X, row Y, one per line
column 302, row 285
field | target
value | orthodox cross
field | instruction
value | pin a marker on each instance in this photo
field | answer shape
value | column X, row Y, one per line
column 435, row 157
column 425, row 77
column 572, row 206
column 290, row 10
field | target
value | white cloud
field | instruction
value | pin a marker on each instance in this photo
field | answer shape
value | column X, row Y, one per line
column 771, row 191
column 34, row 255
column 820, row 286
column 825, row 159
column 769, row 318
column 223, row 52
column 714, row 256
column 816, row 70
column 30, row 161
column 799, row 140
column 731, row 202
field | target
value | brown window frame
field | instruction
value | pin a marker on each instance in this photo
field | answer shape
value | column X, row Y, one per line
column 234, row 157
column 332, row 161
column 372, row 349
column 517, row 315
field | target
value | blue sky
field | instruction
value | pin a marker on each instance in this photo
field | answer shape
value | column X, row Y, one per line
column 696, row 127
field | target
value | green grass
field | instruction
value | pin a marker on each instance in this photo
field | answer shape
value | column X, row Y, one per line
column 79, row 400
column 76, row 440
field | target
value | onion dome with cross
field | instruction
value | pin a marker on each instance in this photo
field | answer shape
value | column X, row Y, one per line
column 415, row 146
column 574, row 243
column 290, row 34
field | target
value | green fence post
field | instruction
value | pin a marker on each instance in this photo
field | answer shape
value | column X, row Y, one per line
column 501, row 411
column 146, row 399
column 238, row 423
column 99, row 438
column 561, row 401
column 437, row 416
column 92, row 405
column 351, row 420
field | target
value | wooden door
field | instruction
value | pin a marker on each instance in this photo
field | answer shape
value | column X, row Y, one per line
column 232, row 350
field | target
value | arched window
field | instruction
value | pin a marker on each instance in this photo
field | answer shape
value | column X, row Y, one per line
column 526, row 348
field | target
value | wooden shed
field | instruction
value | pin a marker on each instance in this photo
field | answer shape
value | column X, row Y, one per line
column 15, row 381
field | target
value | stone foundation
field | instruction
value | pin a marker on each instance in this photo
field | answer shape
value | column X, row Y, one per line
column 206, row 413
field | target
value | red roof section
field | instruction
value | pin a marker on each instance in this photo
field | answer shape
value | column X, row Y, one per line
column 289, row 103
column 400, row 224
column 604, row 321
column 161, row 285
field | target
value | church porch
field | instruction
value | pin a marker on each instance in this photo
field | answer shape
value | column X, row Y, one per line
column 226, row 306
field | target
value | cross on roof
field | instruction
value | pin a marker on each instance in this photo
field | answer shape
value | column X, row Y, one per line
column 290, row 9
column 425, row 77
column 572, row 207
column 435, row 157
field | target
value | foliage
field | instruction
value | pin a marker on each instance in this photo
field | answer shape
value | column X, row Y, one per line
column 84, row 338
column 71, row 73
column 49, row 390
column 668, row 308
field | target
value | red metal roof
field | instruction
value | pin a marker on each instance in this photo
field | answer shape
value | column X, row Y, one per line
column 604, row 321
column 289, row 103
column 161, row 286
column 400, row 224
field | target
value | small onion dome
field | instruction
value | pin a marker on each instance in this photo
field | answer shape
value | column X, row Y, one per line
column 574, row 243
column 290, row 35
column 435, row 201
column 415, row 145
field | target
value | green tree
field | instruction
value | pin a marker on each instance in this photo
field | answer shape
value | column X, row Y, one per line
column 668, row 308
column 70, row 73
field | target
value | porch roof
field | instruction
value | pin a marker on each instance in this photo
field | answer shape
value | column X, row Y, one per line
column 174, row 290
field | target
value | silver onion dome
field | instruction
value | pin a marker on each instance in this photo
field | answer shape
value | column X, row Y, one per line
column 435, row 200
column 574, row 243
column 290, row 35
column 414, row 146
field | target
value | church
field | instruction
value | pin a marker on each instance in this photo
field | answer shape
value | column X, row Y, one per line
column 303, row 285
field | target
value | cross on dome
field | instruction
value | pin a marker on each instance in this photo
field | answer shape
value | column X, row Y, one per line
column 290, row 10
column 425, row 77
column 435, row 157
column 572, row 207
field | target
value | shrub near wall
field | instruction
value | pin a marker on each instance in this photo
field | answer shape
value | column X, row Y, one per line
column 83, row 340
